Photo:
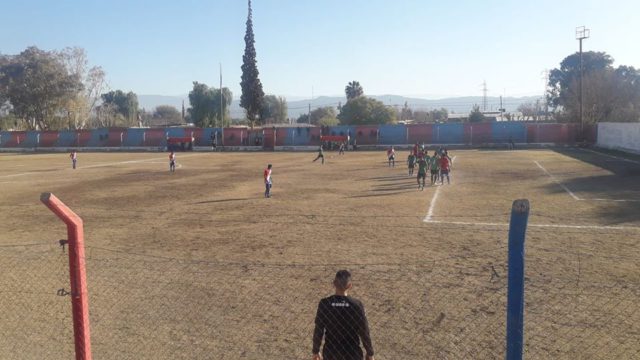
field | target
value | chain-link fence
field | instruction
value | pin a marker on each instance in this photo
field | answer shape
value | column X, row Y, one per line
column 163, row 308
column 581, row 304
column 35, row 309
column 154, row 307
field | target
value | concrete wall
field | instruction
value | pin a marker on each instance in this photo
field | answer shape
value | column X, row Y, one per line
column 620, row 136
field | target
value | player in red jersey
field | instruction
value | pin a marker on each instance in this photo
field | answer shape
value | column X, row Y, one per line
column 445, row 168
column 391, row 155
column 172, row 161
column 267, row 181
column 74, row 158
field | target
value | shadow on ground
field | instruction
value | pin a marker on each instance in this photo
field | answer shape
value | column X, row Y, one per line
column 616, row 195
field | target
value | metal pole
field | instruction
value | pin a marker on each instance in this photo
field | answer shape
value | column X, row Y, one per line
column 581, row 34
column 580, row 95
column 515, row 287
column 77, row 273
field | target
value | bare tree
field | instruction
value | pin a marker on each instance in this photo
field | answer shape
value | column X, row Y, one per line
column 81, row 107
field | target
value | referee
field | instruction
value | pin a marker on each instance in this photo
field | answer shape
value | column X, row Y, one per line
column 343, row 323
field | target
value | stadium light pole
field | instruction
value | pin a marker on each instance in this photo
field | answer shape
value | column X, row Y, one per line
column 581, row 33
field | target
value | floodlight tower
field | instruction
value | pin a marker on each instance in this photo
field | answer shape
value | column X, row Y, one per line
column 581, row 34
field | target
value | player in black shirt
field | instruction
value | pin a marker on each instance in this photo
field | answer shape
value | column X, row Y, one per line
column 342, row 321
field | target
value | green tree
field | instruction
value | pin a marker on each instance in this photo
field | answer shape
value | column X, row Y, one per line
column 353, row 90
column 38, row 86
column 406, row 113
column 325, row 115
column 609, row 94
column 252, row 97
column 274, row 109
column 205, row 105
column 365, row 110
column 563, row 93
column 476, row 115
column 303, row 119
column 167, row 113
column 123, row 104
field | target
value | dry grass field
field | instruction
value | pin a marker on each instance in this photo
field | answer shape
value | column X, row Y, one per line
column 198, row 265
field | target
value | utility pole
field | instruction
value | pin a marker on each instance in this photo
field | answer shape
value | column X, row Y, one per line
column 484, row 96
column 581, row 34
column 501, row 109
column 545, row 78
column 309, row 117
column 221, row 100
column 221, row 111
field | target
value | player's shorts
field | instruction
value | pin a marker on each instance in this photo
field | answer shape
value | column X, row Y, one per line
column 422, row 175
column 172, row 163
column 411, row 166
column 434, row 172
column 392, row 157
column 444, row 172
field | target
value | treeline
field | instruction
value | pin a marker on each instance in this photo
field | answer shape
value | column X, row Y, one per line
column 51, row 90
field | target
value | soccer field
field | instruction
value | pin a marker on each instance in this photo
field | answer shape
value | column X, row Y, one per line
column 199, row 265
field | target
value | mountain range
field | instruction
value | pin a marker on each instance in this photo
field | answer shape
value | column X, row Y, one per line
column 299, row 107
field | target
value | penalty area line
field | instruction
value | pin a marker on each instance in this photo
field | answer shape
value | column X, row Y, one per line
column 558, row 182
column 432, row 205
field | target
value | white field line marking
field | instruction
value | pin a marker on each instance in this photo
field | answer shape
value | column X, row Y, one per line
column 559, row 226
column 99, row 165
column 558, row 182
column 432, row 206
column 613, row 200
column 434, row 199
column 612, row 156
column 132, row 162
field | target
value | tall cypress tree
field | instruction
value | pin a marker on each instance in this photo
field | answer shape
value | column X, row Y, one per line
column 252, row 93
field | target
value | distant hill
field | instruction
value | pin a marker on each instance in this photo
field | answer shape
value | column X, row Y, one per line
column 298, row 107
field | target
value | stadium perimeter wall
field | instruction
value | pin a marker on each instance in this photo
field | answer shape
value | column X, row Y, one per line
column 619, row 136
column 297, row 138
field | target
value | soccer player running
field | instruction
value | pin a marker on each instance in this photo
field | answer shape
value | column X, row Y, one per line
column 435, row 167
column 267, row 181
column 411, row 161
column 422, row 172
column 341, row 151
column 391, row 155
column 172, row 161
column 445, row 168
column 342, row 322
column 320, row 155
column 74, row 158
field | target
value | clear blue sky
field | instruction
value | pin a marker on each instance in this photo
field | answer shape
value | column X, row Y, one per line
column 403, row 47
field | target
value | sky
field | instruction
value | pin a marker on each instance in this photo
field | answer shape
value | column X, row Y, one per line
column 420, row 48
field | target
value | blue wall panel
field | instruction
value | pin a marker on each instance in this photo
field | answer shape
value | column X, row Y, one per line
column 133, row 137
column 392, row 134
column 298, row 136
column 66, row 138
column 98, row 137
column 31, row 140
column 177, row 132
column 5, row 136
column 503, row 131
column 342, row 130
column 448, row 134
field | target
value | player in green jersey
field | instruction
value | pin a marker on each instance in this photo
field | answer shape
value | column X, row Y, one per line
column 422, row 172
column 411, row 161
column 434, row 165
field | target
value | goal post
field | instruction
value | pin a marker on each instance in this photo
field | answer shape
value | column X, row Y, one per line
column 77, row 274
